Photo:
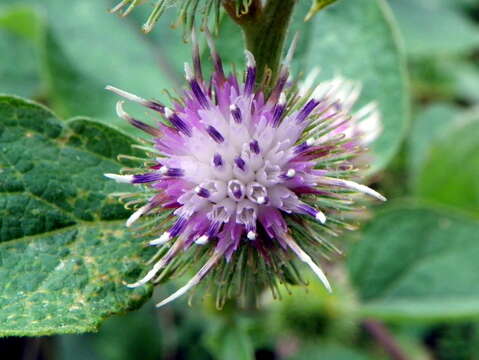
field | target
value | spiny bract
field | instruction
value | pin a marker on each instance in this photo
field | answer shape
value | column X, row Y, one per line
column 246, row 177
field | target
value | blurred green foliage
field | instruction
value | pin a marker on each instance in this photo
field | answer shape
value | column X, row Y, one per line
column 411, row 274
column 458, row 152
column 20, row 32
column 414, row 265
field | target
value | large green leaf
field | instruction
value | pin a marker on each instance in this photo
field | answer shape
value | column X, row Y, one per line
column 20, row 34
column 450, row 173
column 417, row 263
column 358, row 39
column 64, row 251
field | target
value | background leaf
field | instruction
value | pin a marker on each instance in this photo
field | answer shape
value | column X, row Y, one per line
column 20, row 35
column 466, row 77
column 230, row 340
column 429, row 125
column 86, row 48
column 458, row 152
column 424, row 23
column 119, row 337
column 65, row 251
column 417, row 263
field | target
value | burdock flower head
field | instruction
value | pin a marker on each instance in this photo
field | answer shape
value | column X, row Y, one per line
column 243, row 178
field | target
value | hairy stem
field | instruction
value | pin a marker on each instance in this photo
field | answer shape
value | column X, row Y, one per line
column 265, row 30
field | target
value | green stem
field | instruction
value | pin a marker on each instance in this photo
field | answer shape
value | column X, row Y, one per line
column 265, row 32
